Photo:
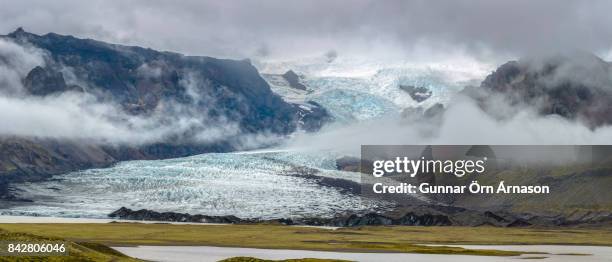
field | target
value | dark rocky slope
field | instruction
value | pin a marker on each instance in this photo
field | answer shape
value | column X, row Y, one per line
column 412, row 219
column 573, row 85
column 414, row 216
column 138, row 80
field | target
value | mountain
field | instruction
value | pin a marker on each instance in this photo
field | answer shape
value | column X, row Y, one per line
column 575, row 85
column 139, row 78
column 145, row 83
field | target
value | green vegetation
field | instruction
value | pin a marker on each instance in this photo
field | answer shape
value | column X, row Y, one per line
column 576, row 190
column 362, row 239
column 81, row 251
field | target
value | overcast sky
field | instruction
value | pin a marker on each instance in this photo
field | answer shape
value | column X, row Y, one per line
column 284, row 28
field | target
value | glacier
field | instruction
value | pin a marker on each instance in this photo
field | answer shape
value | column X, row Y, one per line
column 263, row 184
column 357, row 90
column 248, row 185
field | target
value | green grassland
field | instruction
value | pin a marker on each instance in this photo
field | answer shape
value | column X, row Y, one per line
column 363, row 239
column 575, row 190
column 77, row 251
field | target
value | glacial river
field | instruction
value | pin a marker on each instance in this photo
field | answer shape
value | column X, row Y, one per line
column 207, row 253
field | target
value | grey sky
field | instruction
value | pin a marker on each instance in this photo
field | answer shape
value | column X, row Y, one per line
column 285, row 28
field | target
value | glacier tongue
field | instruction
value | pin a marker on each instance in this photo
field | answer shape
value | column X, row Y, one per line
column 254, row 184
column 247, row 185
column 357, row 91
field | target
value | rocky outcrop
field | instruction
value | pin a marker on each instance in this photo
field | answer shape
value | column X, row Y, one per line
column 44, row 81
column 413, row 216
column 148, row 215
column 376, row 219
column 573, row 85
column 370, row 219
column 418, row 94
column 294, row 80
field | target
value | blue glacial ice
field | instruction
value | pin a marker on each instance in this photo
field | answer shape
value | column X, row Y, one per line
column 248, row 185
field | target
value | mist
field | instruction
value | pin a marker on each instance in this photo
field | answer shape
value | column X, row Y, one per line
column 84, row 117
column 462, row 123
column 422, row 32
column 15, row 63
column 79, row 117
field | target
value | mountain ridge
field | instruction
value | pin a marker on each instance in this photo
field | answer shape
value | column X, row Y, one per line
column 160, row 87
column 575, row 85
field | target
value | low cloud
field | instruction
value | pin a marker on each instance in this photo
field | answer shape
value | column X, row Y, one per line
column 15, row 63
column 463, row 123
column 79, row 116
column 83, row 116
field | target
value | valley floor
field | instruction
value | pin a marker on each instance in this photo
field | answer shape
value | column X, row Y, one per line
column 292, row 241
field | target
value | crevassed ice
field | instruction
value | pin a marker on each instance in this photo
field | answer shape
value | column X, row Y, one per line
column 349, row 106
column 363, row 98
column 247, row 185
column 252, row 184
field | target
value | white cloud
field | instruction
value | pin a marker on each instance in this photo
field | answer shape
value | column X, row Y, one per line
column 463, row 123
column 81, row 116
column 15, row 63
column 241, row 29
